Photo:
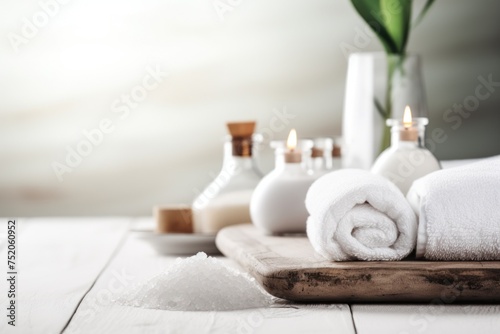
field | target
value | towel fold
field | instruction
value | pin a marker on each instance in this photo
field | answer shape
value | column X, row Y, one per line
column 459, row 212
column 356, row 215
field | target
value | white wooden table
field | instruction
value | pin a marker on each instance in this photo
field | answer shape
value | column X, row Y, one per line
column 68, row 269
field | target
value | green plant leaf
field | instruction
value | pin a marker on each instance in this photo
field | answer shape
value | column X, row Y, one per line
column 420, row 16
column 371, row 12
column 380, row 109
column 396, row 15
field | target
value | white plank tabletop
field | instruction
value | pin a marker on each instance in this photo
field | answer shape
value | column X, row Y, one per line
column 138, row 262
column 58, row 261
column 430, row 319
column 70, row 269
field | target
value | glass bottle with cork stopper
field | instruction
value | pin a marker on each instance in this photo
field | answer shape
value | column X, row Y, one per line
column 277, row 205
column 226, row 200
column 337, row 153
column 406, row 159
column 322, row 156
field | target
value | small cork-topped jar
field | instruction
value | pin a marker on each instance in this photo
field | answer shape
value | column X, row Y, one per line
column 241, row 134
column 337, row 154
column 322, row 158
column 225, row 201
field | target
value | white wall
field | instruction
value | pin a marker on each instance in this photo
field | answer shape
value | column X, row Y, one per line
column 265, row 56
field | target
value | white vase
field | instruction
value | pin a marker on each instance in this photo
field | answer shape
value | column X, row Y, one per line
column 369, row 76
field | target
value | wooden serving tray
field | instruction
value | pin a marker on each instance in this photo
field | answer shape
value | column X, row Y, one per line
column 289, row 268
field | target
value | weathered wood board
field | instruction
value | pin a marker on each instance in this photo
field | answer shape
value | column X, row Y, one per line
column 288, row 267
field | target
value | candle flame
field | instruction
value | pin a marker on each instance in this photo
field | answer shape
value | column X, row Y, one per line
column 291, row 142
column 407, row 119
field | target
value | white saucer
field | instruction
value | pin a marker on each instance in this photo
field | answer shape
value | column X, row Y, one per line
column 180, row 243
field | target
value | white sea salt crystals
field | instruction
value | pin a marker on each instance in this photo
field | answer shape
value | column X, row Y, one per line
column 198, row 283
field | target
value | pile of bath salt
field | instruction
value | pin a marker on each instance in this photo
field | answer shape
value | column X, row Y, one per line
column 197, row 283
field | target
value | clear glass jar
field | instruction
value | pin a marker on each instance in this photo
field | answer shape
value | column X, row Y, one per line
column 226, row 200
column 406, row 159
column 322, row 155
column 278, row 202
column 337, row 153
column 378, row 87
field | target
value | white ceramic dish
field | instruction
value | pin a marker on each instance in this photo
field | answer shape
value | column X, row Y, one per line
column 180, row 243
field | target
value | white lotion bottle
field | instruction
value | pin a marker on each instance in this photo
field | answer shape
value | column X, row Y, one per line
column 406, row 159
column 278, row 202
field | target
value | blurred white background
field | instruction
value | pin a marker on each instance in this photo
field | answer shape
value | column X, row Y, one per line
column 66, row 76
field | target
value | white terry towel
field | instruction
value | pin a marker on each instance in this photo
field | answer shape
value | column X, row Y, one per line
column 459, row 212
column 356, row 215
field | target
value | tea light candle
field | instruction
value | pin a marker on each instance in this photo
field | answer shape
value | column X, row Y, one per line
column 277, row 205
column 406, row 159
column 409, row 132
column 292, row 154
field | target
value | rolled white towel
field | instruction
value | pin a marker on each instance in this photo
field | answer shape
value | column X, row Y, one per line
column 356, row 215
column 459, row 212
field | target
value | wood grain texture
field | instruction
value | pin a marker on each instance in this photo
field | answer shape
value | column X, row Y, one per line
column 138, row 262
column 288, row 268
column 58, row 261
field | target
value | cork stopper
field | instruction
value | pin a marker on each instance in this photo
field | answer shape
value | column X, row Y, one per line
column 241, row 133
column 316, row 152
column 173, row 219
column 241, row 129
column 321, row 147
column 336, row 152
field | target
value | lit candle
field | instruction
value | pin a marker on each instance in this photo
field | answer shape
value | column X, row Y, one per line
column 292, row 154
column 406, row 159
column 277, row 204
column 409, row 132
